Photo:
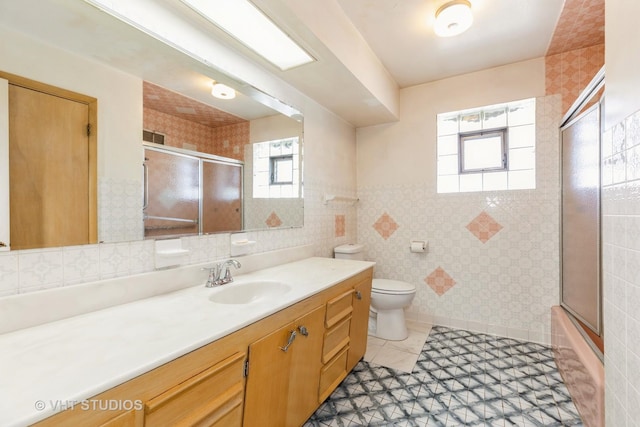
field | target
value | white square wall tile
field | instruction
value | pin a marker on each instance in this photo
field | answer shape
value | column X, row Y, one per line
column 9, row 276
column 41, row 269
column 114, row 260
column 81, row 263
column 142, row 254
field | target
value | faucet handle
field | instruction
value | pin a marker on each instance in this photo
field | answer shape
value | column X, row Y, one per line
column 214, row 275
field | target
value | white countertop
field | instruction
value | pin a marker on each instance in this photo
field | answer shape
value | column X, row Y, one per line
column 73, row 359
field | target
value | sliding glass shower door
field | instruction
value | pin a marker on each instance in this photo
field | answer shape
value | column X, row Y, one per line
column 189, row 192
column 580, row 290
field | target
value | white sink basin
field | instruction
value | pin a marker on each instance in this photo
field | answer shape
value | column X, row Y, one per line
column 248, row 292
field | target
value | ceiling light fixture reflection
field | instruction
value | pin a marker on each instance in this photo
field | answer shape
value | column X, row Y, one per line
column 453, row 18
column 246, row 23
column 222, row 91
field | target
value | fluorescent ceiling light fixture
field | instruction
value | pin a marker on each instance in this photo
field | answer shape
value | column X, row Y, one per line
column 222, row 91
column 453, row 18
column 245, row 22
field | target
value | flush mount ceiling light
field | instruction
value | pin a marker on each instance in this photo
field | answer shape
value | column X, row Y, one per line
column 222, row 91
column 246, row 23
column 453, row 18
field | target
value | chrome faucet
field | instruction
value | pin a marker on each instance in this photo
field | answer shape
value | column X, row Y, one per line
column 220, row 274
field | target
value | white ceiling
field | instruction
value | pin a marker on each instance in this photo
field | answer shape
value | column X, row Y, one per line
column 400, row 33
column 365, row 49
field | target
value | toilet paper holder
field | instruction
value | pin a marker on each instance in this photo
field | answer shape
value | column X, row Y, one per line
column 418, row 246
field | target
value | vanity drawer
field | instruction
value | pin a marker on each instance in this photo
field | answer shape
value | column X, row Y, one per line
column 213, row 398
column 332, row 374
column 335, row 339
column 338, row 308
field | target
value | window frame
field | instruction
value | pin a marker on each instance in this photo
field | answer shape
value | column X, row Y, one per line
column 273, row 161
column 502, row 132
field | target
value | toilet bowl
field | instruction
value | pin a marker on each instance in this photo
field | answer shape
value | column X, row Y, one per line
column 388, row 300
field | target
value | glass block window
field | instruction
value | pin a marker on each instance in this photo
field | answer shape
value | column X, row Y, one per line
column 488, row 148
column 276, row 169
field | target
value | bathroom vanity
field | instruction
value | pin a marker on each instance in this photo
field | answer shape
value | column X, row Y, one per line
column 185, row 358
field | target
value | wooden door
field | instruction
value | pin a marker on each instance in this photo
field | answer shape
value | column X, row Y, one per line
column 49, row 171
column 359, row 323
column 306, row 364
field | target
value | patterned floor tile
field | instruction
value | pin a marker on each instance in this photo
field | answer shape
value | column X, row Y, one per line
column 460, row 379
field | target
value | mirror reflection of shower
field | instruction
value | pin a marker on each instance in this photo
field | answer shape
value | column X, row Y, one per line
column 190, row 193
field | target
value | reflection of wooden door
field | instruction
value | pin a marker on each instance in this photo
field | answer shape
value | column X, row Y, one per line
column 49, row 170
column 221, row 197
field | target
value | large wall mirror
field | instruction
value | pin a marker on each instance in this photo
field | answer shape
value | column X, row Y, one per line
column 171, row 158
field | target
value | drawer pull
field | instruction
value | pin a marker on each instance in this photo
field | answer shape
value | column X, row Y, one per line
column 358, row 295
column 303, row 331
column 292, row 336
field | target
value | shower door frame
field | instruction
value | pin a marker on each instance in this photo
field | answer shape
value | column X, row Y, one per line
column 575, row 113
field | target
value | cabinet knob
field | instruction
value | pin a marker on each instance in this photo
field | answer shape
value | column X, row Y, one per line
column 358, row 295
column 303, row 331
column 292, row 336
column 3, row 245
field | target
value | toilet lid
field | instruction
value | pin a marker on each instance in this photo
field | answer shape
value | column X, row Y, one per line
column 386, row 286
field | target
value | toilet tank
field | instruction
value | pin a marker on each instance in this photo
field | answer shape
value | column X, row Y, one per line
column 350, row 251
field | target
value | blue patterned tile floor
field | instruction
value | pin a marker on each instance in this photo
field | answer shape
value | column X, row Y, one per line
column 461, row 378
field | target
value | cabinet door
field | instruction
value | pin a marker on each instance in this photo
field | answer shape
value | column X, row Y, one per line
column 305, row 368
column 268, row 378
column 359, row 323
column 284, row 373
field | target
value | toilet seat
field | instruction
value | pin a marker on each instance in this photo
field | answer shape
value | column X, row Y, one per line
column 392, row 287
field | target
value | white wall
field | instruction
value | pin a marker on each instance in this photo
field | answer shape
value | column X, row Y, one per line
column 621, row 214
column 505, row 286
column 622, row 33
column 119, row 97
column 409, row 144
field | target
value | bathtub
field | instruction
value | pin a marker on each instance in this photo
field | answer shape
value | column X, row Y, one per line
column 581, row 369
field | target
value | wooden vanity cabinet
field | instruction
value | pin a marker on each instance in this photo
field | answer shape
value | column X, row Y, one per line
column 208, row 387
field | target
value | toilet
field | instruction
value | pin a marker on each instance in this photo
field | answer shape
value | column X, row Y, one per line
column 388, row 300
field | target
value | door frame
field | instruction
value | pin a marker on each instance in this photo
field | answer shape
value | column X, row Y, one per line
column 92, row 104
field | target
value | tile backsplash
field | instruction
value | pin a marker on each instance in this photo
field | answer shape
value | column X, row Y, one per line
column 31, row 270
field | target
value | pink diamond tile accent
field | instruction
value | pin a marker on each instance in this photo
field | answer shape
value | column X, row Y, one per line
column 385, row 226
column 341, row 228
column 484, row 227
column 273, row 220
column 439, row 281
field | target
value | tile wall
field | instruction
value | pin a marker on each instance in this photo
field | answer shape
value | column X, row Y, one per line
column 569, row 72
column 621, row 275
column 119, row 213
column 31, row 270
column 492, row 263
column 226, row 141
